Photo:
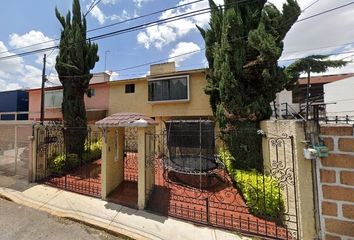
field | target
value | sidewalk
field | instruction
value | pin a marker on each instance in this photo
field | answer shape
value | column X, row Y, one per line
column 112, row 217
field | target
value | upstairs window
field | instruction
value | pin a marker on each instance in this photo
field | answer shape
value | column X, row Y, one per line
column 130, row 88
column 169, row 89
column 53, row 99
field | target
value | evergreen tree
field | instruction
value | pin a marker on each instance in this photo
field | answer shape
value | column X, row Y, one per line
column 243, row 44
column 315, row 64
column 77, row 56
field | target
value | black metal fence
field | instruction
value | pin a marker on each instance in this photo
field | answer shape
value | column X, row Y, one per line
column 78, row 172
column 262, row 203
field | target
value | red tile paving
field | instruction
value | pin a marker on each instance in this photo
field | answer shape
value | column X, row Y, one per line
column 84, row 180
column 220, row 205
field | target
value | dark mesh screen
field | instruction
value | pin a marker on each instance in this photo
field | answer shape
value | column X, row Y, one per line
column 191, row 145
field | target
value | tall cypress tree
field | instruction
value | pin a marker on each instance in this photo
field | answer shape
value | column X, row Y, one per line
column 243, row 44
column 77, row 56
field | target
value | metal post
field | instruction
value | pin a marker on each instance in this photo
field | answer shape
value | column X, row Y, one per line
column 16, row 150
column 42, row 89
column 308, row 91
column 286, row 110
column 105, row 59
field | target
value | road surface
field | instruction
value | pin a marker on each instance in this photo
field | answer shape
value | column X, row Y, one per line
column 19, row 222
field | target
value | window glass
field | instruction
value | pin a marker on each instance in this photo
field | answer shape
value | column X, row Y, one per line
column 130, row 88
column 53, row 99
column 168, row 89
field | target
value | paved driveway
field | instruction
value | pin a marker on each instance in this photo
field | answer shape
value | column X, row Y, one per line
column 18, row 222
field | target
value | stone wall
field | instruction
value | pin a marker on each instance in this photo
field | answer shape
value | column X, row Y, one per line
column 336, row 183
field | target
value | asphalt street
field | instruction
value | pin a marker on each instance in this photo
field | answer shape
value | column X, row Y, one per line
column 19, row 222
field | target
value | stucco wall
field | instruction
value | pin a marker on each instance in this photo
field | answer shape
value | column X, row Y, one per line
column 99, row 101
column 112, row 169
column 199, row 105
column 299, row 197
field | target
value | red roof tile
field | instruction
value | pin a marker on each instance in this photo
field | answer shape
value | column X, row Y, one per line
column 325, row 79
column 126, row 120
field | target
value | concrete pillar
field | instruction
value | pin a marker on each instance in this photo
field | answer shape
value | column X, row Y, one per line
column 302, row 190
column 141, row 168
column 112, row 170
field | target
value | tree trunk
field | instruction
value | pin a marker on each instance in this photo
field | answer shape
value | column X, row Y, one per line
column 75, row 122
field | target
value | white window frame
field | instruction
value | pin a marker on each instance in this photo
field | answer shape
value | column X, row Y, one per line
column 53, row 91
column 167, row 78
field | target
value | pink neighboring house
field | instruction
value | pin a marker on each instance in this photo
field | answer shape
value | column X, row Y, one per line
column 96, row 106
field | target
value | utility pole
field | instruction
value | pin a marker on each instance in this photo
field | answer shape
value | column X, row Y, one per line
column 105, row 59
column 308, row 90
column 44, row 79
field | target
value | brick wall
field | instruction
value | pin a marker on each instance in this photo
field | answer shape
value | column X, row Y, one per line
column 336, row 183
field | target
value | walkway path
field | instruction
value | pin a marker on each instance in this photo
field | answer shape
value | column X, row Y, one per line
column 113, row 217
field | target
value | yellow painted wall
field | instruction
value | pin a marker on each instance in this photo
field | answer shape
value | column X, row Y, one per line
column 302, row 172
column 112, row 169
column 197, row 106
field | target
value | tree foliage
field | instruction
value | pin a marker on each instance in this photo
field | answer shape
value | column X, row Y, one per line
column 243, row 44
column 77, row 56
column 313, row 63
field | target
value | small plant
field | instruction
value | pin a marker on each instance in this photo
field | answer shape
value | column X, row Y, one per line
column 60, row 163
column 261, row 192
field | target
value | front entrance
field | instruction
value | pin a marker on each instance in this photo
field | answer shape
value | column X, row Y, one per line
column 127, row 191
column 189, row 188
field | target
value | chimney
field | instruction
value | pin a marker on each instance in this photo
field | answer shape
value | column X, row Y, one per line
column 162, row 68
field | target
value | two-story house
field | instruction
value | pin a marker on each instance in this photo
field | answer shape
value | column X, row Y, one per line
column 96, row 105
column 165, row 94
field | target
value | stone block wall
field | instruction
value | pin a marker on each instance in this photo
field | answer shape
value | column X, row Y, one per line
column 336, row 183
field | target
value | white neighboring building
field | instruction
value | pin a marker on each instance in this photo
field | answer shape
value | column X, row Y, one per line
column 286, row 97
column 342, row 94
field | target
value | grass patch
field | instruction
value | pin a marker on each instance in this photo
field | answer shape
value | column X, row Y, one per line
column 261, row 192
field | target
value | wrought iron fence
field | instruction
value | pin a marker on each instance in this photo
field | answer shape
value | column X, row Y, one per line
column 56, row 166
column 238, row 200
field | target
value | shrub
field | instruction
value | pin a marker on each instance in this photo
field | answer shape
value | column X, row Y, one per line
column 261, row 192
column 59, row 163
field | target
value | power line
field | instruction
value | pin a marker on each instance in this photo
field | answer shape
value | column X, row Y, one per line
column 110, row 25
column 327, row 11
column 309, row 6
column 92, row 6
column 119, row 32
column 161, row 22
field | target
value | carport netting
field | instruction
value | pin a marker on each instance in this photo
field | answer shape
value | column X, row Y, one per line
column 191, row 146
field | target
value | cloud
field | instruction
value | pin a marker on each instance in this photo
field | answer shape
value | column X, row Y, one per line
column 5, row 86
column 15, row 72
column 39, row 40
column 162, row 35
column 98, row 14
column 31, row 38
column 139, row 3
column 183, row 48
column 109, row 2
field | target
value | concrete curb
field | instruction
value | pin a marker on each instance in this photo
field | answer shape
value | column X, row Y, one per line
column 109, row 227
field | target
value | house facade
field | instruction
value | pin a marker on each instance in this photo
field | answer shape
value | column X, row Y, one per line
column 294, row 101
column 339, row 98
column 96, row 105
column 14, row 105
column 165, row 94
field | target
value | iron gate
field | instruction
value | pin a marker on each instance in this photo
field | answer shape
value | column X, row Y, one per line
column 57, row 167
column 215, row 199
